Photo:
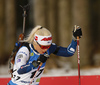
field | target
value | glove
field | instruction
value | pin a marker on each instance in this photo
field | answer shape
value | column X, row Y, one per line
column 77, row 32
column 42, row 58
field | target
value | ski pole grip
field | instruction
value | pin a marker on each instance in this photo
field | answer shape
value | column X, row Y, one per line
column 41, row 64
column 77, row 37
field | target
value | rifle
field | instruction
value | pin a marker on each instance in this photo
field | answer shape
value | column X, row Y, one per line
column 18, row 44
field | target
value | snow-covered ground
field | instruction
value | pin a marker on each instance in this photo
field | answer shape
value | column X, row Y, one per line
column 72, row 72
column 57, row 72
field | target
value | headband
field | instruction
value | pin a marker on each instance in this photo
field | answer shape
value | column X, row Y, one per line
column 43, row 40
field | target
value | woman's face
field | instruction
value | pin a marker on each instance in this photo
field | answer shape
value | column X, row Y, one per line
column 40, row 48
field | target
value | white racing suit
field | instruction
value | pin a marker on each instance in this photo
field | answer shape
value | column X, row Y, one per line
column 24, row 70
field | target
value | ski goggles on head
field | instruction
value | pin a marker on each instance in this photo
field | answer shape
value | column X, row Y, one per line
column 43, row 47
column 43, row 41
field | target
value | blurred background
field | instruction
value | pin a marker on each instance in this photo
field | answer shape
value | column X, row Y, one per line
column 59, row 16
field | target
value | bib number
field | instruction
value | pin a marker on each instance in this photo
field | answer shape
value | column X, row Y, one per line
column 39, row 72
column 16, row 77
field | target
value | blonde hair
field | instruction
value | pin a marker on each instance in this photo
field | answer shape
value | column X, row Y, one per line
column 39, row 30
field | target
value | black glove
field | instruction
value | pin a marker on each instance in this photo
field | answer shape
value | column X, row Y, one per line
column 77, row 32
column 42, row 58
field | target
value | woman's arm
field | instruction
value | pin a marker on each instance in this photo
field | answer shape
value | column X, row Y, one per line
column 21, row 59
column 64, row 51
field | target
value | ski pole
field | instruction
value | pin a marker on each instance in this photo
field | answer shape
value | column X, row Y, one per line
column 78, row 57
column 35, row 73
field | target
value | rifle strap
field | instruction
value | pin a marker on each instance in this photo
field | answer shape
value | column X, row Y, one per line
column 27, row 45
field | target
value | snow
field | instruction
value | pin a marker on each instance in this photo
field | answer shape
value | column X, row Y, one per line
column 65, row 71
column 72, row 72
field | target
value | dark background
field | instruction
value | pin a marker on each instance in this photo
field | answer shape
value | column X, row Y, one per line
column 59, row 16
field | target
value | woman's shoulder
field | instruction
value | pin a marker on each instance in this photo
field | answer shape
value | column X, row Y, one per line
column 52, row 48
column 24, row 50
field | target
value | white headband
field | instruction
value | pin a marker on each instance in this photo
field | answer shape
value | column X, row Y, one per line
column 43, row 40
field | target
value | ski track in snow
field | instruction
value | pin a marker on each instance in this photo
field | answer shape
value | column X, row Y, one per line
column 65, row 71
